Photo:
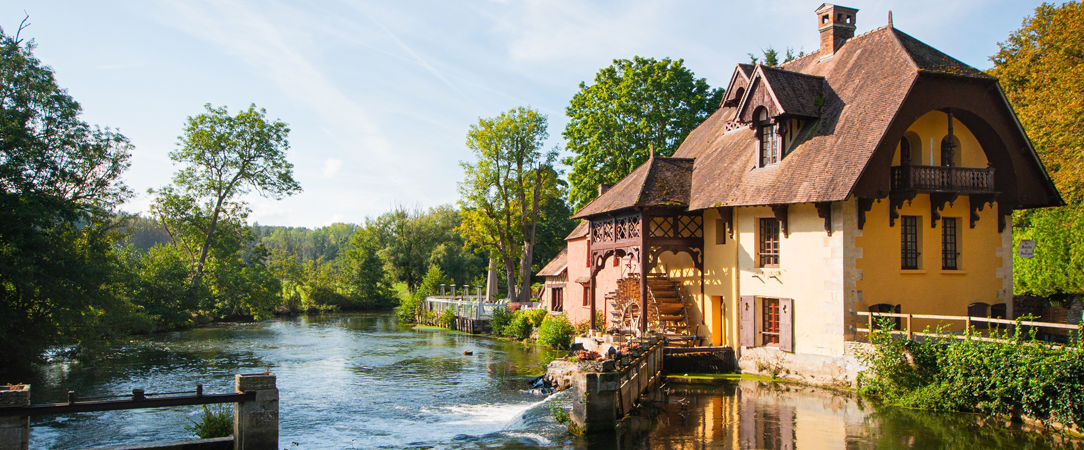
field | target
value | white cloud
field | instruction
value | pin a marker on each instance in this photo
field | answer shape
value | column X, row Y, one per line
column 332, row 167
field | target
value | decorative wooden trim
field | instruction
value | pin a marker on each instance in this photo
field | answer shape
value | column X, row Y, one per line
column 895, row 202
column 824, row 211
column 937, row 203
column 1004, row 210
column 780, row 212
column 975, row 203
column 864, row 205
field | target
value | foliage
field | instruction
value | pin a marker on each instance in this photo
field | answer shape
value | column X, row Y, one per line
column 536, row 316
column 212, row 423
column 447, row 318
column 410, row 307
column 556, row 331
column 1041, row 68
column 504, row 189
column 327, row 243
column 366, row 282
column 1021, row 375
column 59, row 177
column 632, row 106
column 411, row 241
column 771, row 56
column 222, row 158
column 519, row 327
column 501, row 318
column 1058, row 264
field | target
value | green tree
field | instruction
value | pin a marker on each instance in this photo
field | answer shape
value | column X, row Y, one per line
column 365, row 276
column 222, row 157
column 59, row 179
column 504, row 189
column 632, row 106
column 1041, row 68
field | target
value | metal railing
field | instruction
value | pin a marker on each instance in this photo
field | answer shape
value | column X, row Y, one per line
column 969, row 331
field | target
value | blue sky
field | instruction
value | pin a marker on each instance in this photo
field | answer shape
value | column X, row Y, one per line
column 379, row 95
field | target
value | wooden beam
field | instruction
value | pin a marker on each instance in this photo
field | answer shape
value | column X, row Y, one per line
column 726, row 213
column 864, row 205
column 824, row 211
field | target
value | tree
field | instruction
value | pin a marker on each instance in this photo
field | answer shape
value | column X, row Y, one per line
column 504, row 189
column 366, row 278
column 223, row 157
column 632, row 106
column 59, row 179
column 1041, row 68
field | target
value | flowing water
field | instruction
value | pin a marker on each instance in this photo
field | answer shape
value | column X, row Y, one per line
column 363, row 381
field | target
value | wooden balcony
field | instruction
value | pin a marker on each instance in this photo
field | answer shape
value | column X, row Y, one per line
column 960, row 180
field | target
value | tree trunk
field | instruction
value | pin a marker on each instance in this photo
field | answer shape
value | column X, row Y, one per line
column 510, row 275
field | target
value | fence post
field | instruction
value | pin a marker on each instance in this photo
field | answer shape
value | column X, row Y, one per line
column 14, row 431
column 910, row 334
column 967, row 323
column 442, row 290
column 256, row 422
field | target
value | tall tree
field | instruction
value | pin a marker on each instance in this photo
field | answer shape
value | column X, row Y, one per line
column 504, row 189
column 59, row 181
column 1041, row 68
column 632, row 105
column 222, row 157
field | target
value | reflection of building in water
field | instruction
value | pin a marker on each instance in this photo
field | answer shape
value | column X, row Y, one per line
column 752, row 414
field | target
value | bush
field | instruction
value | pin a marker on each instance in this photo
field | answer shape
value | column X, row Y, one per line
column 520, row 326
column 408, row 309
column 217, row 422
column 537, row 315
column 556, row 331
column 1021, row 375
column 501, row 318
column 446, row 319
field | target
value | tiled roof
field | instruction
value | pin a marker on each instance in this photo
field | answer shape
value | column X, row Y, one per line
column 851, row 99
column 661, row 181
column 556, row 265
column 580, row 230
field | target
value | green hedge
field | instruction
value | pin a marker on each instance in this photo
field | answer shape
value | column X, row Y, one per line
column 1022, row 376
column 556, row 331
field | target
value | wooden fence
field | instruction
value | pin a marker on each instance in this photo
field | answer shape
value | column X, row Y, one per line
column 971, row 328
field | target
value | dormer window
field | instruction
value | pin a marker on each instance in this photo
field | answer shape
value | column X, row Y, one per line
column 768, row 139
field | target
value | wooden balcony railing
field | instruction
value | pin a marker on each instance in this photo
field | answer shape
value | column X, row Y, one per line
column 964, row 180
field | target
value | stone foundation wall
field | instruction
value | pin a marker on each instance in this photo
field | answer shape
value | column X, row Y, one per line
column 805, row 368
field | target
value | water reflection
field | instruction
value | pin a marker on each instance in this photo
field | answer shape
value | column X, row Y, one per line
column 752, row 414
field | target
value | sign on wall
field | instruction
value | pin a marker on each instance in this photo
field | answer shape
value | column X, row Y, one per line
column 1026, row 249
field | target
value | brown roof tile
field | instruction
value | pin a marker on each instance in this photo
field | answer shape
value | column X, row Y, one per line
column 580, row 230
column 661, row 181
column 556, row 265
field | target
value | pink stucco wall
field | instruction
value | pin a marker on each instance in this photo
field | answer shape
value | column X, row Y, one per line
column 605, row 281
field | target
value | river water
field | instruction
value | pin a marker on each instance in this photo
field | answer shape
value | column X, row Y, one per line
column 363, row 381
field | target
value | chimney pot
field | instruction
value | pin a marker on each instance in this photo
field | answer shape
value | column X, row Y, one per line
column 836, row 24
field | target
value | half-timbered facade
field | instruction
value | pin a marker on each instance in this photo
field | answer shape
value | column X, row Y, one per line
column 876, row 174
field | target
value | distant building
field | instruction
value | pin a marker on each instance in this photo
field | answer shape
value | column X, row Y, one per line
column 875, row 174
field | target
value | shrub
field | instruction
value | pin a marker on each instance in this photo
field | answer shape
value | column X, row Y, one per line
column 217, row 422
column 447, row 318
column 556, row 331
column 408, row 309
column 501, row 318
column 520, row 326
column 1021, row 375
column 537, row 315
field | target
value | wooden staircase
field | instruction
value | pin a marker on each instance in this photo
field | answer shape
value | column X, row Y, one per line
column 666, row 312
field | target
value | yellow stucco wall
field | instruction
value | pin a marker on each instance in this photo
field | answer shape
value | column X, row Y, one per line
column 983, row 275
column 930, row 290
column 929, row 130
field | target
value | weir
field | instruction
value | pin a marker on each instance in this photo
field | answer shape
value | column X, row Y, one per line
column 255, row 418
column 602, row 398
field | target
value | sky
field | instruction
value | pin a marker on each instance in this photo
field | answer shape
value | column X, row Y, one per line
column 379, row 95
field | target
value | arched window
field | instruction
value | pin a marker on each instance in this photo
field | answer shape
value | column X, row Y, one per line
column 905, row 152
column 950, row 151
column 769, row 148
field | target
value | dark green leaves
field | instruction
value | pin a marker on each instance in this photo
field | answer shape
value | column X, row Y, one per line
column 633, row 105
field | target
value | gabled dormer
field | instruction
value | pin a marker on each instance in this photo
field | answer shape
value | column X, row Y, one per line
column 778, row 104
column 739, row 81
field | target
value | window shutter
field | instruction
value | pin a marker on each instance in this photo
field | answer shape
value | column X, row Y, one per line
column 747, row 321
column 786, row 324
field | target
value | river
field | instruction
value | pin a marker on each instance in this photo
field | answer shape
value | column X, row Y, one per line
column 363, row 381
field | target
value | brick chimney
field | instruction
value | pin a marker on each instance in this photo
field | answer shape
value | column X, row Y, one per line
column 836, row 24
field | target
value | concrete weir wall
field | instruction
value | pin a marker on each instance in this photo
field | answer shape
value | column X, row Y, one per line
column 604, row 397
